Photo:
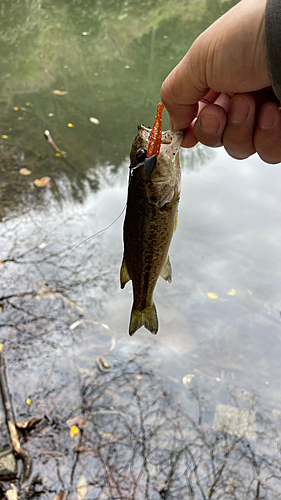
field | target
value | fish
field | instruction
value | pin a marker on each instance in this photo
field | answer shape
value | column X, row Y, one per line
column 151, row 217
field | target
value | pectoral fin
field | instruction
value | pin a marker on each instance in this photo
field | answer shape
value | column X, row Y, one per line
column 124, row 275
column 166, row 272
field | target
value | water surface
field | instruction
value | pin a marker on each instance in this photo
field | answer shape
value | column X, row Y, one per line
column 203, row 396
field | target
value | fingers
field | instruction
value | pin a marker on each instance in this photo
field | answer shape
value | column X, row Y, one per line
column 267, row 138
column 238, row 133
column 231, row 122
column 195, row 131
column 210, row 125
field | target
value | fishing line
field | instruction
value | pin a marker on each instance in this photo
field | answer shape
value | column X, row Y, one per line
column 77, row 246
column 84, row 241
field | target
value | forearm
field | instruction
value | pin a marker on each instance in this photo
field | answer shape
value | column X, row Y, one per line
column 273, row 43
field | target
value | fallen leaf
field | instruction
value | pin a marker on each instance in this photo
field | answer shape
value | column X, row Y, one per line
column 1, row 347
column 232, row 292
column 28, row 401
column 29, row 104
column 42, row 245
column 16, row 108
column 29, row 424
column 105, row 326
column 212, row 295
column 59, row 496
column 82, row 488
column 70, row 125
column 45, row 181
column 58, row 155
column 60, row 92
column 94, row 120
column 74, row 432
column 85, row 33
column 11, row 493
column 4, row 136
column 127, row 66
column 25, row 171
column 106, row 434
column 187, row 379
column 51, row 114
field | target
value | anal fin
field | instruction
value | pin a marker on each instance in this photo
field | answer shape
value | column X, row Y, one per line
column 166, row 272
column 124, row 274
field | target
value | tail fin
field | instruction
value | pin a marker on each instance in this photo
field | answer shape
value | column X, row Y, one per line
column 147, row 318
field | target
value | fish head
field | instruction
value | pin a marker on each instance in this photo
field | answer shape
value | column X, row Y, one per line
column 161, row 179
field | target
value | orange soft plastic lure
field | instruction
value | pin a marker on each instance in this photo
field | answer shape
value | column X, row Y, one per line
column 156, row 133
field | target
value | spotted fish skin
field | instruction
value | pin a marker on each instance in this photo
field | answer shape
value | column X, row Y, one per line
column 150, row 221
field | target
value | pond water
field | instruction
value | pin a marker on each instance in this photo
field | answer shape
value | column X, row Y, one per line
column 193, row 412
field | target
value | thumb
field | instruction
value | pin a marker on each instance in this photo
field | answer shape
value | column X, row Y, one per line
column 184, row 87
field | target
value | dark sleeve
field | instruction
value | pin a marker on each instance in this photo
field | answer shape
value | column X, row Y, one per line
column 273, row 43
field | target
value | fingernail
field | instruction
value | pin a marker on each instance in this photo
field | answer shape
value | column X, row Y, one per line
column 209, row 124
column 266, row 117
column 239, row 110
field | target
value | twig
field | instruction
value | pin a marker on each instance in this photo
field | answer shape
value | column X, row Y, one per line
column 19, row 451
column 50, row 140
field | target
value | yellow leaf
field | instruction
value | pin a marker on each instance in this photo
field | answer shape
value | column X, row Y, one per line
column 232, row 292
column 4, row 136
column 60, row 92
column 45, row 181
column 25, row 171
column 1, row 347
column 82, row 488
column 42, row 245
column 16, row 108
column 212, row 295
column 28, row 401
column 70, row 125
column 74, row 432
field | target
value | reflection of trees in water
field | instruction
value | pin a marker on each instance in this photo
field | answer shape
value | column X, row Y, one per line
column 136, row 442
column 19, row 195
column 92, row 69
column 135, row 439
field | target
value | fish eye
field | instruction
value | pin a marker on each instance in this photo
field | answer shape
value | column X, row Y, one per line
column 141, row 155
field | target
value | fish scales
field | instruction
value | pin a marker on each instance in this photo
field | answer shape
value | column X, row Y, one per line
column 149, row 224
column 147, row 248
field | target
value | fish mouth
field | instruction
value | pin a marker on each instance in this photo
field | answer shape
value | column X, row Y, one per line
column 172, row 139
column 167, row 136
column 170, row 143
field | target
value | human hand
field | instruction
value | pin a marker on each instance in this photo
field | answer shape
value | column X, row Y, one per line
column 220, row 92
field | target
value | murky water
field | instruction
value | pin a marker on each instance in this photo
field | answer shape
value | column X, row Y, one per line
column 195, row 411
